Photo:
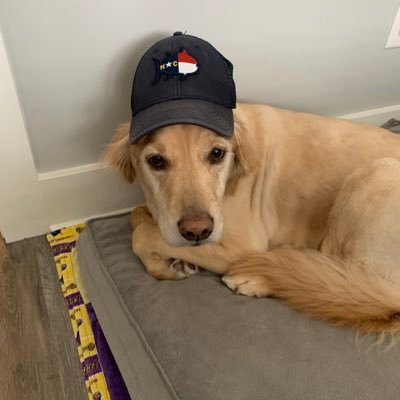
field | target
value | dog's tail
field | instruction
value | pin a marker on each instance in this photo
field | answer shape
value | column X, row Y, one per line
column 330, row 289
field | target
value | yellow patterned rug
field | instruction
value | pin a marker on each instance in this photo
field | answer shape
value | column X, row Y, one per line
column 102, row 377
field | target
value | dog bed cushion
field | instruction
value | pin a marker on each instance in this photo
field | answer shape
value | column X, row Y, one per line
column 194, row 339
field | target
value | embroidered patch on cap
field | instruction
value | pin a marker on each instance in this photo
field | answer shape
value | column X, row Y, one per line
column 182, row 64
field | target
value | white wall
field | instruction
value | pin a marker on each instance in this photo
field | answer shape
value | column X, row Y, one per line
column 72, row 64
column 73, row 60
column 21, row 201
column 32, row 203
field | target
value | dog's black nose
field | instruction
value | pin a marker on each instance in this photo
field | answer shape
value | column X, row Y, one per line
column 196, row 225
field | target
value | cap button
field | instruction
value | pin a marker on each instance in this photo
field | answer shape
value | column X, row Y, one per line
column 177, row 33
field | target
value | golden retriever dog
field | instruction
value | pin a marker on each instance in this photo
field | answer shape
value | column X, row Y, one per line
column 295, row 206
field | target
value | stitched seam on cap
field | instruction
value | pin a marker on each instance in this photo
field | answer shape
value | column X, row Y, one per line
column 186, row 98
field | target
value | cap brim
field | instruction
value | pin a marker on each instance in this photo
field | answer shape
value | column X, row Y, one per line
column 185, row 111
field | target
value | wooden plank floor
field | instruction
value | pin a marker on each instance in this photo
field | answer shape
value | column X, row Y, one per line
column 38, row 356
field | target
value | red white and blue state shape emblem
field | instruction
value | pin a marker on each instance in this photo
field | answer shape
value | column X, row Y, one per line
column 181, row 64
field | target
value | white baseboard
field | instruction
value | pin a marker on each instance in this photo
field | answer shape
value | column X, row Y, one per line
column 377, row 116
column 86, row 192
column 59, row 173
column 84, row 219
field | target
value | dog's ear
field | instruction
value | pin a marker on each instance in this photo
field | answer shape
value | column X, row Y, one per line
column 244, row 157
column 244, row 149
column 117, row 154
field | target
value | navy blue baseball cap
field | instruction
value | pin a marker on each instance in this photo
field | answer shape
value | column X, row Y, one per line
column 182, row 79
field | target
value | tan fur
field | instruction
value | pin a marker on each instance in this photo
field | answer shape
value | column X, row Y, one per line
column 309, row 211
column 327, row 288
column 117, row 153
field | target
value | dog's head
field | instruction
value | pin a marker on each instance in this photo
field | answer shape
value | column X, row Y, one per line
column 185, row 171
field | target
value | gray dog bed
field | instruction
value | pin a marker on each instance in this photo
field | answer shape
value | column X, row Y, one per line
column 196, row 340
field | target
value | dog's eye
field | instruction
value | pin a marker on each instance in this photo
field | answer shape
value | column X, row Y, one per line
column 216, row 155
column 157, row 161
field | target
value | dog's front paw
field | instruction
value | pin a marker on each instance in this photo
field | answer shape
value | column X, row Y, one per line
column 183, row 268
column 247, row 284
